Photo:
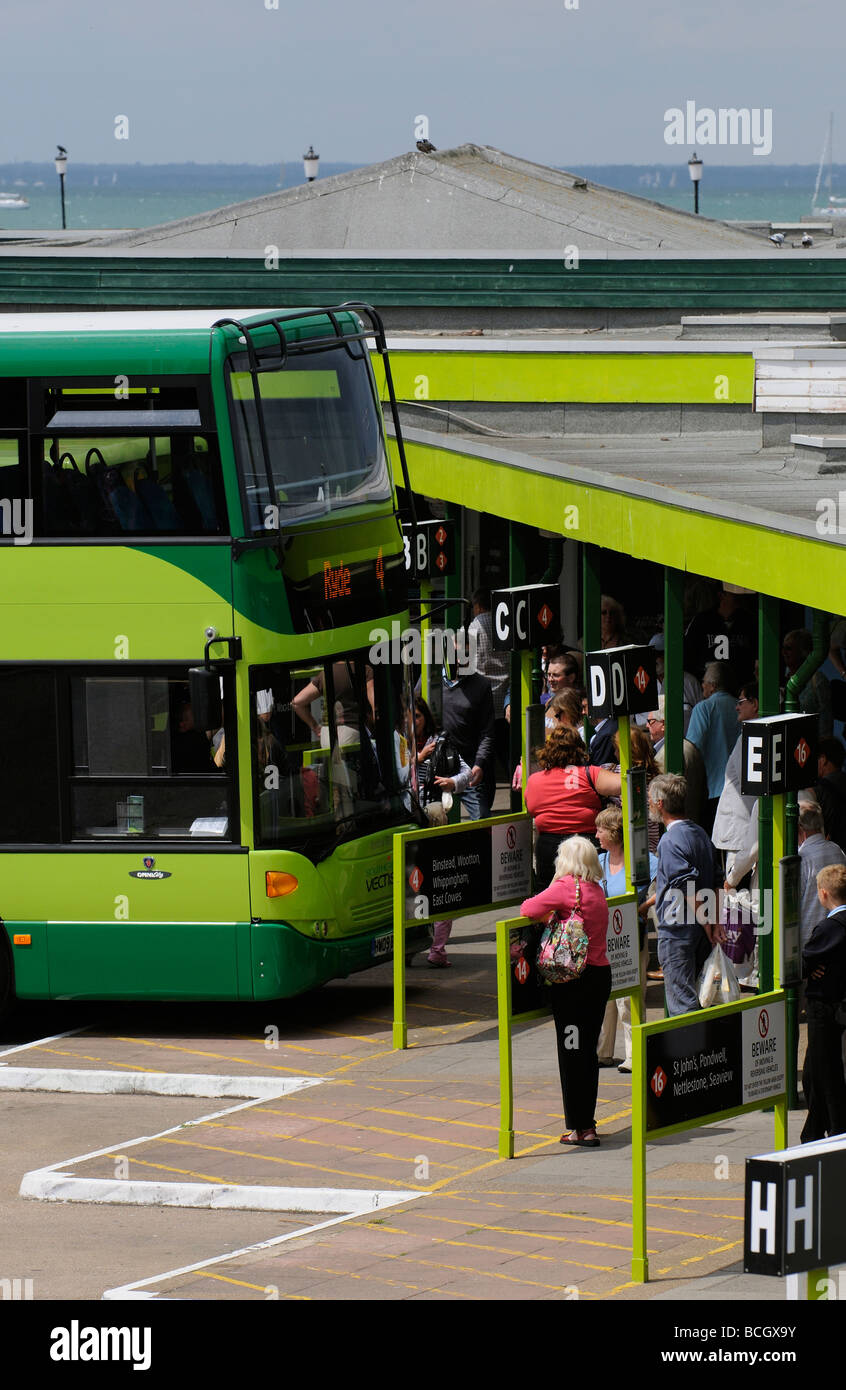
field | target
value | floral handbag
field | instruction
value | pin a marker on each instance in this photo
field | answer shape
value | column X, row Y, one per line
column 562, row 955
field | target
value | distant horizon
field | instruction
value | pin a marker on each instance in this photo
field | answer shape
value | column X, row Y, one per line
column 759, row 167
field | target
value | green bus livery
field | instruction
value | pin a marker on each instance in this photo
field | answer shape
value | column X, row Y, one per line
column 202, row 768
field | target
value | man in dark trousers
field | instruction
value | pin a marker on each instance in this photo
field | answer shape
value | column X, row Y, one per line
column 824, row 968
column 469, row 721
column 685, row 871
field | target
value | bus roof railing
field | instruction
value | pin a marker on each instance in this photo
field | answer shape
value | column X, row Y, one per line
column 276, row 322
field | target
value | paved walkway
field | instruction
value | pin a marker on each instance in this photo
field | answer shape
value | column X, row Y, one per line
column 419, row 1127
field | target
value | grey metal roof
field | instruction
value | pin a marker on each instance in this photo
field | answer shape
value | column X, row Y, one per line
column 469, row 198
column 725, row 475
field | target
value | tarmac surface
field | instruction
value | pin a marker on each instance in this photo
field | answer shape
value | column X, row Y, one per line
column 288, row 1152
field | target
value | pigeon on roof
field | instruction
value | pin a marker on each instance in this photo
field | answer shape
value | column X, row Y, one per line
column 426, row 146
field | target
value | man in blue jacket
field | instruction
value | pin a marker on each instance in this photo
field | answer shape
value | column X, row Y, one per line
column 684, row 887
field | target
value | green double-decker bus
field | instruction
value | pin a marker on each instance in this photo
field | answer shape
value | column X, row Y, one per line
column 201, row 767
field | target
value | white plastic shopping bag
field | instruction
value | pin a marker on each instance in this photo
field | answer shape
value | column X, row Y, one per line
column 717, row 983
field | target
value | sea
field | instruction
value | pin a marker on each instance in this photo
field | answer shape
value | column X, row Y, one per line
column 106, row 197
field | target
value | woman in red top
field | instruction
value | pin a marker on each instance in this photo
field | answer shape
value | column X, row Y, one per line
column 564, row 797
column 578, row 1007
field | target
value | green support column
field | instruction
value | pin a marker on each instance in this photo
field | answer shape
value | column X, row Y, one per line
column 516, row 575
column 674, row 670
column 624, row 735
column 769, row 655
column 454, row 617
column 591, row 598
column 591, row 605
column 426, row 676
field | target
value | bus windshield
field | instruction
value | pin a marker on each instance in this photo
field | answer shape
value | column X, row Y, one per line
column 329, row 752
column 323, row 429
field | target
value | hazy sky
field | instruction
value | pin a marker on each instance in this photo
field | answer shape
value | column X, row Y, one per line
column 237, row 81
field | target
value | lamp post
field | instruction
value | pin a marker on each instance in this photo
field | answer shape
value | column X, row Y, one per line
column 694, row 168
column 310, row 164
column 61, row 162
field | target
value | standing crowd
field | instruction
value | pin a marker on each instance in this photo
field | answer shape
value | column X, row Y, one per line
column 703, row 833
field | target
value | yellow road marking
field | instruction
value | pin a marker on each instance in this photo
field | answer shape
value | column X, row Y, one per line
column 224, row 1279
column 696, row 1259
column 606, row 1221
column 167, row 1168
column 502, row 1250
column 224, row 1056
column 442, row 1120
column 379, row 1279
column 372, row 1057
column 491, row 1274
column 395, row 1133
column 104, row 1061
column 511, row 1231
column 293, row 1163
column 349, row 1148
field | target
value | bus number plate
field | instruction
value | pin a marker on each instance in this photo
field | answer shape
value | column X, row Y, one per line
column 381, row 945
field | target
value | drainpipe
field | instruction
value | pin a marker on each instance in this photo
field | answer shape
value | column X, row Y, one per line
column 554, row 560
column 795, row 686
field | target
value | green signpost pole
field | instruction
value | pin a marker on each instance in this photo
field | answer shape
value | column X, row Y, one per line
column 640, row 1258
column 779, row 850
column 506, row 1075
column 768, row 1092
column 511, row 831
column 400, row 1029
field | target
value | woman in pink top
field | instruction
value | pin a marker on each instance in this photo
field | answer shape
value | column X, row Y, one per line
column 578, row 1006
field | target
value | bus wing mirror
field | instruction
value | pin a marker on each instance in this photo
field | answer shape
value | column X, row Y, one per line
column 204, row 687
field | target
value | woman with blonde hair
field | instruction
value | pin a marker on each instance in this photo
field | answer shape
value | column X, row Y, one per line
column 578, row 1006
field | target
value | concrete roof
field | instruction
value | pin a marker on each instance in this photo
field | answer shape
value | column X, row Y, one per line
column 722, row 475
column 470, row 198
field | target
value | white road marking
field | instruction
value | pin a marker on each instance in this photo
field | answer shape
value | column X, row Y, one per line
column 39, row 1042
column 157, row 1083
column 56, row 1184
column 37, row 1177
column 134, row 1290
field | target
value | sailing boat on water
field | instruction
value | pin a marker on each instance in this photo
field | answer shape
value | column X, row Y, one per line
column 835, row 207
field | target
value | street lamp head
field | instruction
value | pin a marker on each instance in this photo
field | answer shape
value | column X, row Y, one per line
column 61, row 160
column 310, row 164
column 694, row 167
